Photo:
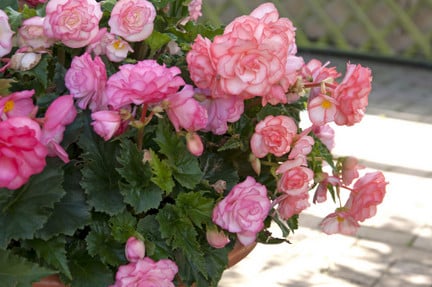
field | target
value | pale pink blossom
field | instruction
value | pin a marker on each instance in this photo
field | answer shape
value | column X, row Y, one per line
column 21, row 152
column 17, row 104
column 350, row 169
column 289, row 205
column 243, row 210
column 325, row 134
column 5, row 34
column 194, row 9
column 146, row 272
column 145, row 82
column 59, row 114
column 118, row 50
column 31, row 34
column 324, row 180
column 339, row 222
column 86, row 80
column 222, row 111
column 352, row 95
column 132, row 19
column 194, row 144
column 274, row 135
column 216, row 238
column 314, row 71
column 368, row 192
column 322, row 109
column 106, row 123
column 302, row 145
column 134, row 249
column 295, row 179
column 186, row 112
column 200, row 64
column 74, row 22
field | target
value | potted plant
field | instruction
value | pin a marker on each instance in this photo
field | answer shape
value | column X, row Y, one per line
column 138, row 145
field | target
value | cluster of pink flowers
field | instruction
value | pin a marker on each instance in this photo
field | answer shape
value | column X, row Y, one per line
column 143, row 271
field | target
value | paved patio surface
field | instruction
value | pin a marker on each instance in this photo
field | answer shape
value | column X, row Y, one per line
column 395, row 247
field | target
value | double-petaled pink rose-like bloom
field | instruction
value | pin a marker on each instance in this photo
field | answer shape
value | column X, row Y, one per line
column 31, row 34
column 86, row 80
column 132, row 19
column 243, row 210
column 145, row 82
column 274, row 135
column 73, row 22
column 6, row 34
column 21, row 152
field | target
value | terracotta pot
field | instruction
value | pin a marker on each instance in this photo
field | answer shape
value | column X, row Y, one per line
column 236, row 255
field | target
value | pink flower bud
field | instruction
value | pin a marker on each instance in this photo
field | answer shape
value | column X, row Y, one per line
column 134, row 250
column 256, row 163
column 217, row 239
column 194, row 144
column 219, row 186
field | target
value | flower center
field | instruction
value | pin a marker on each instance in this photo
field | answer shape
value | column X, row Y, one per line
column 326, row 104
column 118, row 44
column 9, row 105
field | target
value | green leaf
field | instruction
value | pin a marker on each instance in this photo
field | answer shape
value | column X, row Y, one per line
column 72, row 211
column 156, row 41
column 25, row 210
column 53, row 252
column 184, row 165
column 156, row 247
column 123, row 226
column 216, row 168
column 162, row 175
column 15, row 17
column 100, row 178
column 88, row 271
column 101, row 245
column 41, row 71
column 12, row 3
column 138, row 190
column 196, row 207
column 17, row 272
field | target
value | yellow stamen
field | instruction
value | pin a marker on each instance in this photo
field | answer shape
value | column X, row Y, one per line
column 326, row 104
column 118, row 44
column 340, row 219
column 9, row 105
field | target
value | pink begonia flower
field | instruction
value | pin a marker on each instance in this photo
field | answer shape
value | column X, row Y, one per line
column 322, row 109
column 146, row 272
column 295, row 178
column 314, row 71
column 352, row 95
column 243, row 210
column 217, row 239
column 184, row 111
column 73, row 22
column 368, row 192
column 115, row 48
column 59, row 114
column 17, row 104
column 31, row 34
column 273, row 135
column 200, row 64
column 106, row 123
column 145, row 82
column 5, row 35
column 132, row 19
column 134, row 249
column 222, row 111
column 194, row 144
column 251, row 56
column 289, row 205
column 302, row 145
column 339, row 222
column 350, row 167
column 86, row 80
column 325, row 134
column 21, row 152
column 324, row 179
column 194, row 9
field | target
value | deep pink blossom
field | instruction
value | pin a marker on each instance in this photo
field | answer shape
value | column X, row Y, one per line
column 132, row 19
column 145, row 273
column 106, row 123
column 186, row 112
column 34, row 3
column 74, row 22
column 5, row 35
column 21, row 152
column 17, row 104
column 86, row 80
column 243, row 210
column 274, row 135
column 368, row 192
column 134, row 249
column 352, row 95
column 341, row 222
column 145, row 82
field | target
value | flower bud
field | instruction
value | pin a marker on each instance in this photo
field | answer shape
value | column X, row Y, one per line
column 256, row 163
column 194, row 144
column 217, row 239
column 219, row 186
column 134, row 250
